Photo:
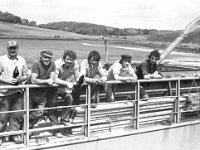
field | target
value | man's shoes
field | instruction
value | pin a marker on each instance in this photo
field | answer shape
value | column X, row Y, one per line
column 69, row 131
column 59, row 135
column 65, row 123
column 145, row 97
column 93, row 105
column 17, row 139
column 73, row 113
column 111, row 100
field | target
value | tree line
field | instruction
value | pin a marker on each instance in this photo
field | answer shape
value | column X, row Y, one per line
column 10, row 18
column 76, row 27
column 96, row 30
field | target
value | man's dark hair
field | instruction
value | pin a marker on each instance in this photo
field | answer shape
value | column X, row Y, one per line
column 155, row 53
column 95, row 55
column 70, row 53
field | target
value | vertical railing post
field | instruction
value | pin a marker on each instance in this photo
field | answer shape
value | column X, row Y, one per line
column 132, row 120
column 138, row 105
column 177, row 101
column 135, row 107
column 88, row 110
column 26, row 117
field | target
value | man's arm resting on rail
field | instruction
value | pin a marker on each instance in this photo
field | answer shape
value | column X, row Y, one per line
column 121, row 78
column 63, row 82
column 49, row 81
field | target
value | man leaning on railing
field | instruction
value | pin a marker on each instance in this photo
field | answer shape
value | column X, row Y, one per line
column 43, row 73
column 67, row 75
column 13, row 71
column 92, row 70
column 148, row 69
column 121, row 70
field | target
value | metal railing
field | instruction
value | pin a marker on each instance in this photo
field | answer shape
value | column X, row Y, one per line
column 135, row 117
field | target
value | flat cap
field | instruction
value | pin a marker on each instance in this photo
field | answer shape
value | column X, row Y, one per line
column 125, row 56
column 47, row 53
column 12, row 44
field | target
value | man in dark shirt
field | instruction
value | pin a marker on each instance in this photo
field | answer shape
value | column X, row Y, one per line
column 43, row 73
column 148, row 69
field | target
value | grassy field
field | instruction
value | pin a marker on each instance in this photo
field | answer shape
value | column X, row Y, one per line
column 32, row 40
column 30, row 49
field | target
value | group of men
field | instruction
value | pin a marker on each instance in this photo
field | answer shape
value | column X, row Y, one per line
column 69, row 76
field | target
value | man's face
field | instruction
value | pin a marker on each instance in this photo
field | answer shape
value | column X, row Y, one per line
column 125, row 63
column 92, row 62
column 153, row 59
column 12, row 51
column 45, row 60
column 69, row 61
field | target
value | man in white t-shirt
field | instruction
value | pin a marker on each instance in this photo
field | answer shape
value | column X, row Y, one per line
column 67, row 75
column 121, row 70
column 12, row 99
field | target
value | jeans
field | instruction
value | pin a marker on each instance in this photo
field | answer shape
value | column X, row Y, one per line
column 11, row 103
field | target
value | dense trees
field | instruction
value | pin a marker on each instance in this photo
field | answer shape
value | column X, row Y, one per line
column 10, row 18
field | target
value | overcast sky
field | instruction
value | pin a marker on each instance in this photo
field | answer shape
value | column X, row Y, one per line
column 145, row 14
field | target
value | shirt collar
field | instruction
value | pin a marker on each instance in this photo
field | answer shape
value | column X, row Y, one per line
column 17, row 58
column 63, row 64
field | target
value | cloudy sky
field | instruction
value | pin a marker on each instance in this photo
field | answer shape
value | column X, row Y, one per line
column 145, row 14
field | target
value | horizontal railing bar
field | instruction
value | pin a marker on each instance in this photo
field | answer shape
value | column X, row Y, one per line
column 14, row 111
column 57, row 107
column 149, row 80
column 12, row 133
column 107, row 82
column 185, row 111
column 55, row 127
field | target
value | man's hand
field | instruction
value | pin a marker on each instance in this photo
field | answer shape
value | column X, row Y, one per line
column 103, row 79
column 19, row 79
column 69, row 85
column 11, row 81
column 50, row 81
column 156, row 75
column 132, row 79
column 147, row 76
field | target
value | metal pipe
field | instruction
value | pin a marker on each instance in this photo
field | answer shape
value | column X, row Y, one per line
column 26, row 118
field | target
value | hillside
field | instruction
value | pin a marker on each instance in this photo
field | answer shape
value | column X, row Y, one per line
column 8, row 30
column 17, row 27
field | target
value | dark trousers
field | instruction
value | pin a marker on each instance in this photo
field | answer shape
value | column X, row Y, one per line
column 68, row 101
column 46, row 97
column 11, row 103
column 76, row 93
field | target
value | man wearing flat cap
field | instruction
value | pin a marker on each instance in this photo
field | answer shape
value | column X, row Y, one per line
column 43, row 73
column 12, row 99
column 120, row 70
